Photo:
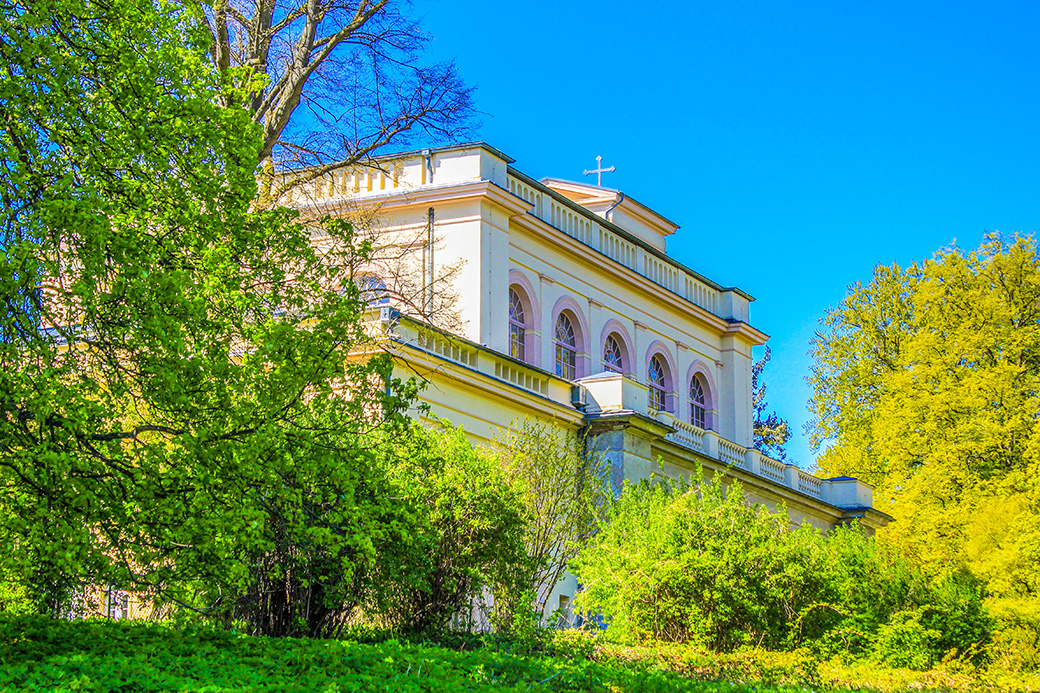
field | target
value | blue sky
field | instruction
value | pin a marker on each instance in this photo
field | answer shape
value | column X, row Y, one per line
column 798, row 144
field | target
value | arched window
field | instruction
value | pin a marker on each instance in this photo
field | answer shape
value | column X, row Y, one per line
column 698, row 403
column 657, row 382
column 517, row 327
column 373, row 291
column 566, row 348
column 613, row 360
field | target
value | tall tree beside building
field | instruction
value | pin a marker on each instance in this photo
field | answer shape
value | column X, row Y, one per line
column 330, row 82
column 171, row 413
column 926, row 382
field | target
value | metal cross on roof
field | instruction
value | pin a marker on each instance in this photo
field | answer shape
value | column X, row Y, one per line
column 599, row 171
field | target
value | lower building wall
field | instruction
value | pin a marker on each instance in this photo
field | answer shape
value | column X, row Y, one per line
column 486, row 409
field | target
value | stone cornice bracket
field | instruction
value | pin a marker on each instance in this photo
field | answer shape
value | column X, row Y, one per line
column 639, row 325
column 593, row 303
column 682, row 346
column 627, row 419
column 546, row 278
column 718, row 364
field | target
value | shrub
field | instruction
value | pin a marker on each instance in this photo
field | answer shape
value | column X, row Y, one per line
column 905, row 642
column 466, row 534
column 681, row 563
column 697, row 564
column 564, row 490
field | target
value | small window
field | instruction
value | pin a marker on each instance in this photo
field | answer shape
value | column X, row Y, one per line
column 656, row 381
column 373, row 291
column 612, row 359
column 566, row 348
column 698, row 403
column 517, row 327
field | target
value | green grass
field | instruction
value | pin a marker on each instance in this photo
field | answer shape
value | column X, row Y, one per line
column 38, row 654
column 46, row 655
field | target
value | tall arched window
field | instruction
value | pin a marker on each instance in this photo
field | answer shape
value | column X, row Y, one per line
column 698, row 403
column 566, row 348
column 613, row 358
column 657, row 382
column 517, row 327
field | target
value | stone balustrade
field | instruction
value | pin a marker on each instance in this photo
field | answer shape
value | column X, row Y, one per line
column 408, row 173
column 602, row 236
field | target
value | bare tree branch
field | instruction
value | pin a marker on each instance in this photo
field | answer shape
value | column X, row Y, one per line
column 353, row 65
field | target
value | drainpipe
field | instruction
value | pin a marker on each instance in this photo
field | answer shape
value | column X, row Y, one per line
column 429, row 165
column 428, row 262
column 620, row 199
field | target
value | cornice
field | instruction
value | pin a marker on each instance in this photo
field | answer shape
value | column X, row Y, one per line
column 629, row 419
column 427, row 196
column 593, row 256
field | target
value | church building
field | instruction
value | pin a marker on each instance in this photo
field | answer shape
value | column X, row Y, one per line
column 569, row 309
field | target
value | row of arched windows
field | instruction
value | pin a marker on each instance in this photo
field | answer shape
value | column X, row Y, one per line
column 569, row 342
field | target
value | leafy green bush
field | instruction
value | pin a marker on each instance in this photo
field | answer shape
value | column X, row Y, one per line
column 697, row 564
column 905, row 642
column 466, row 532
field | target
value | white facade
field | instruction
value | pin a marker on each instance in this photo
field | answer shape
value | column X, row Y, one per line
column 598, row 258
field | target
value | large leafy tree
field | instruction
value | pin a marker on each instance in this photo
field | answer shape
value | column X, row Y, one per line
column 172, row 416
column 927, row 383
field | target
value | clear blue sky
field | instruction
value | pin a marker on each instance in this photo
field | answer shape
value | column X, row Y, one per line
column 798, row 144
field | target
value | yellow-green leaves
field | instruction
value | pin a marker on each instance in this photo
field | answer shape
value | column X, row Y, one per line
column 927, row 383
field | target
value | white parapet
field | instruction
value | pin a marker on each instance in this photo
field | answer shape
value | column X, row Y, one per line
column 610, row 392
column 607, row 393
column 846, row 492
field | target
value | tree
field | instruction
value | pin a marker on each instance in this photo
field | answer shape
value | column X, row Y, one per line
column 352, row 63
column 467, row 536
column 172, row 417
column 564, row 491
column 926, row 383
column 771, row 432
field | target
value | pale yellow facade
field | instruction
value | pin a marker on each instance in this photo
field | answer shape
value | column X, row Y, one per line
column 598, row 258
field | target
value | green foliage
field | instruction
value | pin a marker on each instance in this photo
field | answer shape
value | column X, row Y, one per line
column 927, row 383
column 564, row 491
column 904, row 641
column 465, row 532
column 803, row 670
column 692, row 564
column 697, row 564
column 171, row 400
column 45, row 655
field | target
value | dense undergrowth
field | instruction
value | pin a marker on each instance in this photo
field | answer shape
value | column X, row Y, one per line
column 38, row 654
column 41, row 654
